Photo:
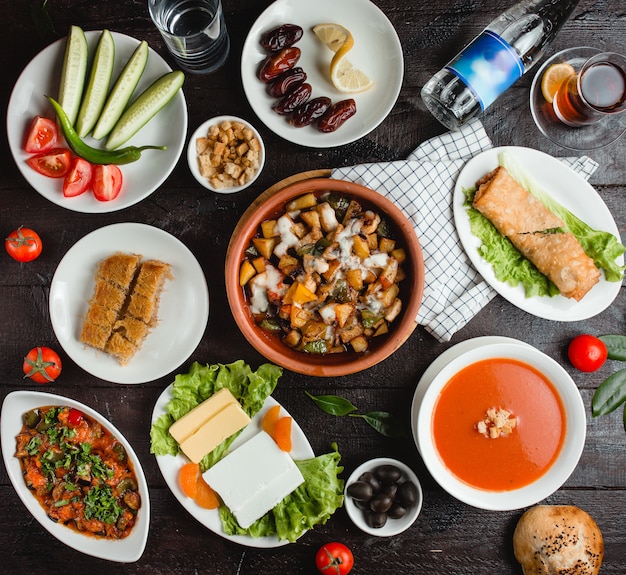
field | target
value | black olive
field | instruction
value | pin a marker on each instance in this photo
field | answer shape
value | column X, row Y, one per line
column 390, row 489
column 381, row 503
column 376, row 520
column 388, row 473
column 370, row 478
column 362, row 505
column 407, row 494
column 397, row 511
column 360, row 490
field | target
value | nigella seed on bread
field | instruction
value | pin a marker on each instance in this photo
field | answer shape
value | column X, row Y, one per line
column 124, row 304
column 558, row 540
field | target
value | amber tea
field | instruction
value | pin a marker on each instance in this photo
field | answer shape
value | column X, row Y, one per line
column 598, row 89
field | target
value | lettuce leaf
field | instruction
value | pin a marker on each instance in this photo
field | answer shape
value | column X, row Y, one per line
column 250, row 388
column 312, row 503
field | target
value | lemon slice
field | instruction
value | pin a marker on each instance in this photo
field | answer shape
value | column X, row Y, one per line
column 344, row 76
column 553, row 77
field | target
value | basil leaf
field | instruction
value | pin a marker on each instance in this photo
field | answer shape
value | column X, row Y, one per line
column 610, row 394
column 333, row 404
column 616, row 346
column 385, row 423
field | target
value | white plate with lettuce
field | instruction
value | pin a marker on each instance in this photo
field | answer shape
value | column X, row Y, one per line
column 253, row 390
column 546, row 177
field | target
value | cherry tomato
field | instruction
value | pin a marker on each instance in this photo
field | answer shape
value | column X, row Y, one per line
column 23, row 244
column 74, row 417
column 107, row 182
column 42, row 135
column 54, row 163
column 334, row 559
column 587, row 353
column 42, row 365
column 78, row 180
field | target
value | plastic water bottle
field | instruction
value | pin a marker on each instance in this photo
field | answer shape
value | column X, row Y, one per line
column 505, row 50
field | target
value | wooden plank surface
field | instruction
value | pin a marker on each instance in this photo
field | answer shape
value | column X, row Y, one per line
column 449, row 537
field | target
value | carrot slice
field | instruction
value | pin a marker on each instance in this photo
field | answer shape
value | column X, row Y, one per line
column 283, row 433
column 269, row 420
column 188, row 479
column 205, row 496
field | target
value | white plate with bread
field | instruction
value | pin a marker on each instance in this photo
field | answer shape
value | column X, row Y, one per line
column 182, row 306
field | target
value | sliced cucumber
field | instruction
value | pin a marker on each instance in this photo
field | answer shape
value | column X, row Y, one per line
column 98, row 86
column 122, row 91
column 144, row 108
column 74, row 72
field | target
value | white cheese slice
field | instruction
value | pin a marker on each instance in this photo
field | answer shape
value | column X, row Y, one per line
column 222, row 425
column 192, row 421
column 254, row 478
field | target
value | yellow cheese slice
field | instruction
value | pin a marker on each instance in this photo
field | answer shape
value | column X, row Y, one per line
column 222, row 425
column 189, row 423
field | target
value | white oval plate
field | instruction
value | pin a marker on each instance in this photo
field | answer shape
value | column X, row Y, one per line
column 170, row 466
column 569, row 189
column 168, row 128
column 125, row 550
column 553, row 478
column 377, row 51
column 183, row 309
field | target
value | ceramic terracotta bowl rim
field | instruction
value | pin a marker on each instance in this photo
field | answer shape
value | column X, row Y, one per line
column 561, row 468
column 334, row 364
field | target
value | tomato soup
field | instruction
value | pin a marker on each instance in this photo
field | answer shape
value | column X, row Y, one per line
column 498, row 424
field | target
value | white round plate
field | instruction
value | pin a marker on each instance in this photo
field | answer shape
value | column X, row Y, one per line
column 444, row 359
column 183, row 310
column 168, row 128
column 125, row 550
column 170, row 466
column 569, row 189
column 377, row 51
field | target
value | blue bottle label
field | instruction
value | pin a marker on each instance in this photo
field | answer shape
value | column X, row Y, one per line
column 488, row 66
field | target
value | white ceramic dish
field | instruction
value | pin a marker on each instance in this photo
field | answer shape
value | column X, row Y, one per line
column 183, row 309
column 125, row 550
column 393, row 526
column 567, row 458
column 446, row 357
column 573, row 192
column 168, row 128
column 192, row 156
column 209, row 518
column 377, row 51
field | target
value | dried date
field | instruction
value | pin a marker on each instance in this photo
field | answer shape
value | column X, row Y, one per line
column 310, row 111
column 293, row 99
column 278, row 63
column 281, row 37
column 287, row 81
column 336, row 115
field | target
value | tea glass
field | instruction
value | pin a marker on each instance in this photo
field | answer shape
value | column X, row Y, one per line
column 194, row 31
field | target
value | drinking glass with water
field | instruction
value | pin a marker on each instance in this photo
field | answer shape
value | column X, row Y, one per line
column 194, row 31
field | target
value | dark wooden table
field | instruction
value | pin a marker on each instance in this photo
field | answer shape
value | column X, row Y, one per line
column 449, row 537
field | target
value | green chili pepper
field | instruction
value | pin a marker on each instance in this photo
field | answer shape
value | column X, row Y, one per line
column 94, row 155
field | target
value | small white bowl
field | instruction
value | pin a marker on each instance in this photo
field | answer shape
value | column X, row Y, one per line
column 192, row 156
column 393, row 526
column 561, row 468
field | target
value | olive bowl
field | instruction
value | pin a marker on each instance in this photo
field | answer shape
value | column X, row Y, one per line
column 392, row 526
column 271, row 204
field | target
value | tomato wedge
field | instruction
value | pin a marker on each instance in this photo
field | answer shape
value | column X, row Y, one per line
column 42, row 135
column 107, row 182
column 78, row 180
column 54, row 163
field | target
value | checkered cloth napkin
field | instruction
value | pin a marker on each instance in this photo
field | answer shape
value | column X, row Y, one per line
column 422, row 187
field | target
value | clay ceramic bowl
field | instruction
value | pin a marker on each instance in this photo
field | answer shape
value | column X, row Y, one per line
column 271, row 205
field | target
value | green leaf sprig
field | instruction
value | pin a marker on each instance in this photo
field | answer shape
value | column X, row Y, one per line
column 383, row 422
column 611, row 393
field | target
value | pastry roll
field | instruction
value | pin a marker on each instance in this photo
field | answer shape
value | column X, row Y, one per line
column 536, row 232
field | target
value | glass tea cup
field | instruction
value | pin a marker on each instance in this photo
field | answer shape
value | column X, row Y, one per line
column 194, row 32
column 597, row 90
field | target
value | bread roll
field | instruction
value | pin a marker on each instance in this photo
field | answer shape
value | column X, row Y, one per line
column 558, row 540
